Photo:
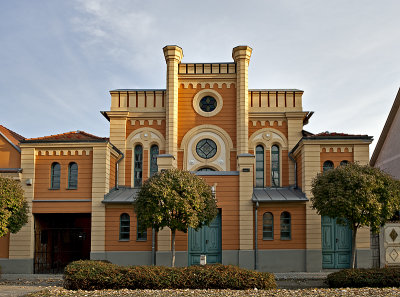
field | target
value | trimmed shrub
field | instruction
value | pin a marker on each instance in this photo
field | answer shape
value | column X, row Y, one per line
column 356, row 278
column 97, row 275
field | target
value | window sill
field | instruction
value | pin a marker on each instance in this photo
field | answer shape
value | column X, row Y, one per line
column 268, row 239
column 124, row 240
column 141, row 240
column 53, row 189
column 286, row 239
column 71, row 189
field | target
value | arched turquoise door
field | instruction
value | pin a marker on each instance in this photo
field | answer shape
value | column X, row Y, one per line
column 206, row 241
column 336, row 244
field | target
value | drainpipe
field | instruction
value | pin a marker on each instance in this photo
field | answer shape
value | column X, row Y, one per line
column 153, row 247
column 117, row 169
column 256, row 238
column 295, row 169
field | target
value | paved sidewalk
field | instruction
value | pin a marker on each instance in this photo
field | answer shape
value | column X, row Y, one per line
column 21, row 284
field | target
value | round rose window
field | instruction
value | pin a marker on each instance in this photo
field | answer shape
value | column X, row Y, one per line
column 206, row 148
column 208, row 104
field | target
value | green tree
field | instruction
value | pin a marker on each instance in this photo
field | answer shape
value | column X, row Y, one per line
column 13, row 206
column 358, row 196
column 176, row 199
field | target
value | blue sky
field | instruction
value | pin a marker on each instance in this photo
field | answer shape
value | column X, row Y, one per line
column 59, row 59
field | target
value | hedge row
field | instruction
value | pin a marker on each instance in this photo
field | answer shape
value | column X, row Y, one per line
column 356, row 278
column 97, row 275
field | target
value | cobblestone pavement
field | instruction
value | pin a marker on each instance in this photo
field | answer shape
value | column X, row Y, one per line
column 311, row 284
column 22, row 284
column 376, row 292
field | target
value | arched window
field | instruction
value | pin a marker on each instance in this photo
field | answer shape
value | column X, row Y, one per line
column 275, row 166
column 268, row 226
column 344, row 162
column 124, row 226
column 328, row 165
column 72, row 175
column 55, row 176
column 141, row 234
column 259, row 166
column 206, row 169
column 286, row 232
column 138, row 166
column 153, row 159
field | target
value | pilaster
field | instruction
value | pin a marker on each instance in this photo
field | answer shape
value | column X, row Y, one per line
column 241, row 56
column 245, row 167
column 361, row 153
column 22, row 243
column 295, row 127
column 118, row 138
column 173, row 55
column 311, row 167
column 100, row 186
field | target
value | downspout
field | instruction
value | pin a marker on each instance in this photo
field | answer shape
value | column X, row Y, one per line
column 295, row 169
column 256, row 238
column 153, row 247
column 117, row 169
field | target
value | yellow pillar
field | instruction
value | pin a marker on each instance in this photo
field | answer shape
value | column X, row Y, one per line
column 246, row 252
column 100, row 187
column 241, row 56
column 22, row 243
column 173, row 55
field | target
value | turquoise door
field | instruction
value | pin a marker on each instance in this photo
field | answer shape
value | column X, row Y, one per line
column 336, row 244
column 206, row 241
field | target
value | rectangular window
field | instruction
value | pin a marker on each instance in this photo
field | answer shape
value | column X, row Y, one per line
column 138, row 166
column 259, row 166
column 141, row 234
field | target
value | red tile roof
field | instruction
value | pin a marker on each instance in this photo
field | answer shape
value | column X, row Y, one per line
column 11, row 136
column 328, row 134
column 73, row 136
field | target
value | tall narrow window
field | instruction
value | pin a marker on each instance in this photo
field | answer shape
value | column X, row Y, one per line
column 124, row 226
column 138, row 159
column 153, row 160
column 268, row 226
column 141, row 234
column 275, row 166
column 328, row 165
column 72, row 175
column 286, row 232
column 55, row 176
column 259, row 166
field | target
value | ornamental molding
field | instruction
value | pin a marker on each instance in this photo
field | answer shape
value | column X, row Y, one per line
column 206, row 84
column 336, row 149
column 271, row 122
column 143, row 122
column 63, row 152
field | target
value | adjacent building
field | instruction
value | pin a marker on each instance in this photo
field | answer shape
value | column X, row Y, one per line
column 386, row 156
column 248, row 144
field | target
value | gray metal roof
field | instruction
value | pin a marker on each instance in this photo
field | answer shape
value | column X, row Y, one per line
column 123, row 195
column 278, row 195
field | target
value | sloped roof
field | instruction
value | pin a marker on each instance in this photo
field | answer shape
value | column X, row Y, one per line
column 124, row 195
column 386, row 128
column 11, row 136
column 73, row 136
column 278, row 195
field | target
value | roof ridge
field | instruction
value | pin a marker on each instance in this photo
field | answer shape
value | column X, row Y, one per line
column 13, row 133
column 77, row 132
